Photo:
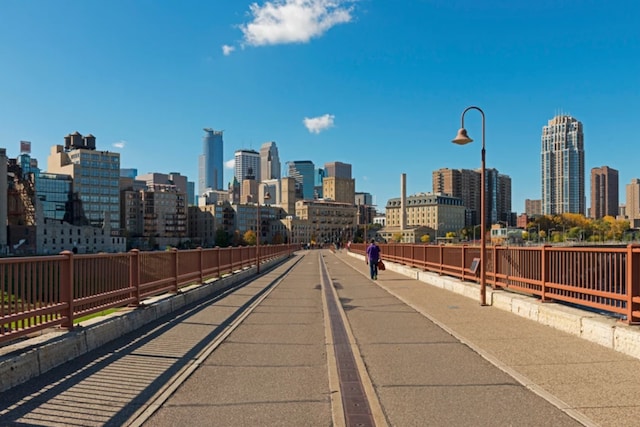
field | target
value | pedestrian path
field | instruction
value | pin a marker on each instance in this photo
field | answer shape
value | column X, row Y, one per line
column 427, row 356
column 593, row 383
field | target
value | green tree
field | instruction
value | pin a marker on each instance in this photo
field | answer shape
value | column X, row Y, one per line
column 397, row 237
column 222, row 238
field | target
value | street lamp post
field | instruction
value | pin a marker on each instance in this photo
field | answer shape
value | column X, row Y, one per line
column 267, row 196
column 462, row 138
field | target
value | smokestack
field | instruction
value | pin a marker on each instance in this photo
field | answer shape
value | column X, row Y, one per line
column 403, row 201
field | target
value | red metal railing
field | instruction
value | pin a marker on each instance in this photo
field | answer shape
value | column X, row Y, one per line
column 600, row 278
column 42, row 292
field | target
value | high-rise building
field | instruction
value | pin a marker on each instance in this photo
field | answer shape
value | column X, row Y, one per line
column 465, row 184
column 633, row 201
column 604, row 192
column 303, row 172
column 363, row 199
column 154, row 210
column 95, row 177
column 562, row 166
column 172, row 178
column 341, row 190
column 461, row 183
column 247, row 165
column 288, row 195
column 533, row 207
column 210, row 171
column 318, row 177
column 338, row 170
column 499, row 197
column 269, row 162
column 191, row 199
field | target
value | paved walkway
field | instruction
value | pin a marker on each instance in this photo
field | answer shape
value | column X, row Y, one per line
column 428, row 357
column 589, row 381
column 426, row 354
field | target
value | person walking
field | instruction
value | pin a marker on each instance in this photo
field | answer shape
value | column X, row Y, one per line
column 372, row 258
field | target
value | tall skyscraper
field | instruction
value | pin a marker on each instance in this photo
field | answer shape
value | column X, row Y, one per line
column 247, row 165
column 210, row 164
column 303, row 172
column 604, row 192
column 269, row 162
column 562, row 166
column 498, row 197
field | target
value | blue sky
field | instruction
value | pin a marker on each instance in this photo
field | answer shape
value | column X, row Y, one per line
column 377, row 84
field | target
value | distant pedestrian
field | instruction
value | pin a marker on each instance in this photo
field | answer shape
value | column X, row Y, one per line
column 372, row 258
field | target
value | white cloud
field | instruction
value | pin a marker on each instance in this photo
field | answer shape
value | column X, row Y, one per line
column 318, row 124
column 294, row 21
column 230, row 164
column 119, row 144
column 226, row 49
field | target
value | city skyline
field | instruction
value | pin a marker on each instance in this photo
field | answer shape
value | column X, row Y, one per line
column 361, row 81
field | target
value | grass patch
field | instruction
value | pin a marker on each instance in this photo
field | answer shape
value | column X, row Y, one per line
column 91, row 316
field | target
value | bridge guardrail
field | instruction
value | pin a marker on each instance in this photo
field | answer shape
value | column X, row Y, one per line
column 42, row 292
column 600, row 278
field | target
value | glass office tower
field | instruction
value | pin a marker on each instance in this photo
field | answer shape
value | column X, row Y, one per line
column 303, row 171
column 210, row 166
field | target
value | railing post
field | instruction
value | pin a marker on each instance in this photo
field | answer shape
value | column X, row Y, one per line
column 497, row 265
column 441, row 251
column 134, row 274
column 217, row 249
column 175, row 268
column 544, row 273
column 633, row 283
column 66, row 288
column 463, row 270
column 413, row 254
column 201, row 264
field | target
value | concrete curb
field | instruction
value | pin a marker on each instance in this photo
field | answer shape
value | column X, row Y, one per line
column 30, row 358
column 597, row 328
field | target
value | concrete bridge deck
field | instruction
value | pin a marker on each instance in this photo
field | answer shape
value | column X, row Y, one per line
column 426, row 356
